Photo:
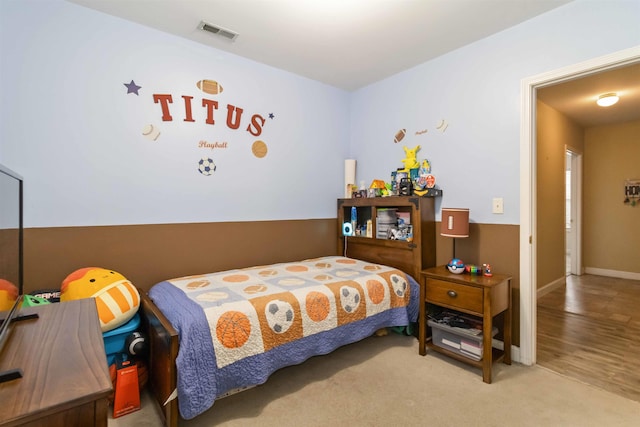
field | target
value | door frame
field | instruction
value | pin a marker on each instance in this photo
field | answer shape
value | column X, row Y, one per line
column 576, row 208
column 528, row 224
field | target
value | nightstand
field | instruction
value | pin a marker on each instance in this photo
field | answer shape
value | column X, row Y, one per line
column 481, row 296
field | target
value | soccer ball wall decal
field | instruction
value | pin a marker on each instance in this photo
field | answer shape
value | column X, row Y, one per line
column 206, row 166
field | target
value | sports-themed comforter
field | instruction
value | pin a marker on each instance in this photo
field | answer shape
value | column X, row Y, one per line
column 237, row 327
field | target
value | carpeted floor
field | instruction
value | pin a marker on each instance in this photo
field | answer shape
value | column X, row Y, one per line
column 382, row 381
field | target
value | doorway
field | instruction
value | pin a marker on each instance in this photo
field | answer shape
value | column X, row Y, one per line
column 573, row 211
column 528, row 188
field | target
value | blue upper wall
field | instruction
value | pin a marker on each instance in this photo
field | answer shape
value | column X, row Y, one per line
column 76, row 133
column 475, row 90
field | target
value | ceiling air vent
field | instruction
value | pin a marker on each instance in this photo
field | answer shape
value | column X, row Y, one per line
column 217, row 30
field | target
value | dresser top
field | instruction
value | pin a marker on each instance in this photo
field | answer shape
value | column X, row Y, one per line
column 62, row 358
column 441, row 272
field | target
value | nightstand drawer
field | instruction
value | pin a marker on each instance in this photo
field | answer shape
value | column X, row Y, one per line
column 454, row 295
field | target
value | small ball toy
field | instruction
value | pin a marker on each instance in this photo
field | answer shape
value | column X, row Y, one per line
column 117, row 300
column 456, row 266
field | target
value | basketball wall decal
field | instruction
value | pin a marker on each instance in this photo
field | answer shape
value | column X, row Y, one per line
column 210, row 86
column 259, row 149
column 233, row 329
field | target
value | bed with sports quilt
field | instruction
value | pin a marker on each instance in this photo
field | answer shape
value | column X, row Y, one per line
column 212, row 334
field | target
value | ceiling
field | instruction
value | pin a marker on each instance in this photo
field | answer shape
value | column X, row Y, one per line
column 344, row 43
column 577, row 98
column 350, row 44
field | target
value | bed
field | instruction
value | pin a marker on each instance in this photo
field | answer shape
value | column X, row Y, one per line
column 214, row 334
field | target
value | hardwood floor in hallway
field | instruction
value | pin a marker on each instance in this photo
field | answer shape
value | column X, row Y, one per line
column 590, row 331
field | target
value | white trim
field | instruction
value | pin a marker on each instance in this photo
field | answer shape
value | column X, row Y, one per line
column 612, row 273
column 528, row 224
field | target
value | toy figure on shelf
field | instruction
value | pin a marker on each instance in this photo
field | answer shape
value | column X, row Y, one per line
column 378, row 186
column 487, row 270
column 410, row 161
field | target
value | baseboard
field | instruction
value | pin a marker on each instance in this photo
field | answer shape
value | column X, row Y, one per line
column 612, row 273
column 515, row 351
column 549, row 287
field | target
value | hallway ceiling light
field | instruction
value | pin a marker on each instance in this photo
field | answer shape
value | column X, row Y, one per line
column 607, row 100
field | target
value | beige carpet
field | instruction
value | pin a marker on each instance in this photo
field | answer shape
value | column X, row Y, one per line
column 384, row 382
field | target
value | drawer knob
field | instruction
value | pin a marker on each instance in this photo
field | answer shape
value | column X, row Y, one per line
column 452, row 294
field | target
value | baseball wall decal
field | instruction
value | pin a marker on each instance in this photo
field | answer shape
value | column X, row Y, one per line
column 210, row 86
column 442, row 126
column 150, row 132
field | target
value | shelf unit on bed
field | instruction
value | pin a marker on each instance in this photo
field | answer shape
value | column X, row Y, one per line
column 409, row 256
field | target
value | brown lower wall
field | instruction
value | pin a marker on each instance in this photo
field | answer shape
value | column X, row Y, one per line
column 494, row 244
column 147, row 254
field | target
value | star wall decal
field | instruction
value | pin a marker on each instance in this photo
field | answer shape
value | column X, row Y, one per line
column 271, row 116
column 132, row 87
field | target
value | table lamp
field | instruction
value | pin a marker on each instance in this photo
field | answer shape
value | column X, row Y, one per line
column 455, row 223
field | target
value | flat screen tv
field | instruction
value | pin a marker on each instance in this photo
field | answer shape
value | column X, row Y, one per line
column 11, row 252
column 11, row 246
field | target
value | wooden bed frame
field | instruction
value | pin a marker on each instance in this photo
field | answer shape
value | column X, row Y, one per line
column 163, row 345
column 163, row 350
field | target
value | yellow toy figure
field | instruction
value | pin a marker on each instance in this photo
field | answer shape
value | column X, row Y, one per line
column 8, row 295
column 117, row 300
column 410, row 161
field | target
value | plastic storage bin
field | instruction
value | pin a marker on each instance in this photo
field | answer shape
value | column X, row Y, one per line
column 458, row 340
column 114, row 339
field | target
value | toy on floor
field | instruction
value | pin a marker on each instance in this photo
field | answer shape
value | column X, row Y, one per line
column 117, row 299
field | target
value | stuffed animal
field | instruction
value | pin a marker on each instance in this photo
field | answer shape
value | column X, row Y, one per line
column 117, row 299
column 8, row 294
column 410, row 161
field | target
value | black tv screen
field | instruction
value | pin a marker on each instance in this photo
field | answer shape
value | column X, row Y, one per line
column 11, row 246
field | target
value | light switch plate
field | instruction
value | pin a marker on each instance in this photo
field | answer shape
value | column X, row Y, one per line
column 498, row 205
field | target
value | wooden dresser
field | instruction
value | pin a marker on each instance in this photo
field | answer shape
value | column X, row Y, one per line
column 65, row 375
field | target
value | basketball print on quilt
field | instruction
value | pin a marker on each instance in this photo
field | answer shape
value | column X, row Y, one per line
column 318, row 308
column 235, row 332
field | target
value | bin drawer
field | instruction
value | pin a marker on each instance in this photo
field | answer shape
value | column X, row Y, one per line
column 458, row 341
column 454, row 295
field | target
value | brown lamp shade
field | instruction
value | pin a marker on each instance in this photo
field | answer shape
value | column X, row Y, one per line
column 455, row 222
